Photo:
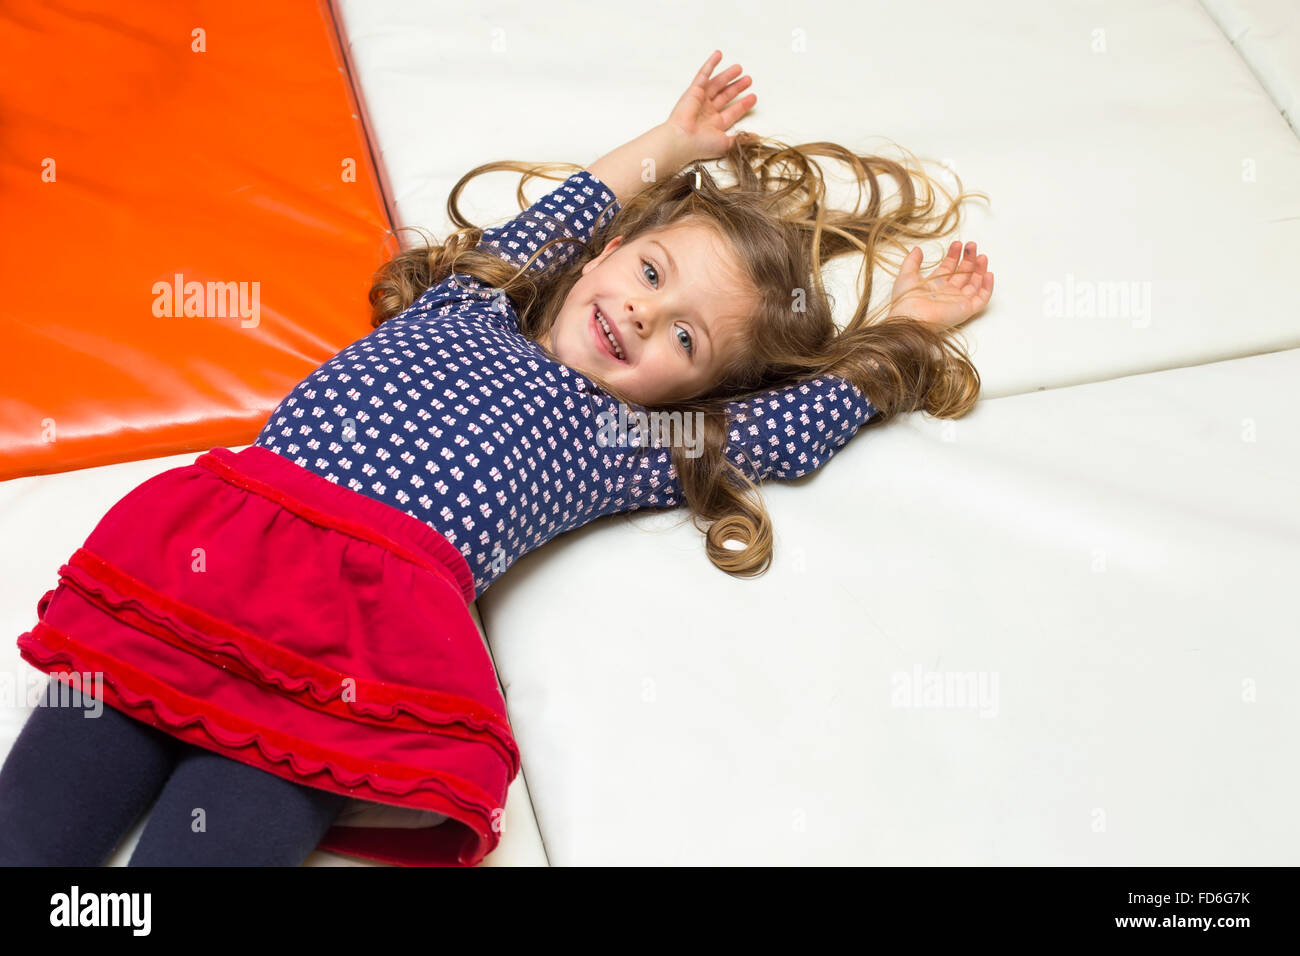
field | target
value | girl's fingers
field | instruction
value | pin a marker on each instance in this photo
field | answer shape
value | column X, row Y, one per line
column 702, row 77
column 911, row 262
column 968, row 261
column 737, row 109
column 947, row 269
column 714, row 88
column 712, row 85
column 949, row 264
column 725, row 96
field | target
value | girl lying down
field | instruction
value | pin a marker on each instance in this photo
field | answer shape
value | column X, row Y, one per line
column 283, row 633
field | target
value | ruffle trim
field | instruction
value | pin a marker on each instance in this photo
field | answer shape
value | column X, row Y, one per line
column 223, row 645
column 444, row 793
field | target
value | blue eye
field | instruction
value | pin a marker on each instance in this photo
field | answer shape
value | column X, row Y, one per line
column 684, row 337
column 687, row 344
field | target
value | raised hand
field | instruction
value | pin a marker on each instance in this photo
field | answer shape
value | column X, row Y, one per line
column 957, row 289
column 709, row 108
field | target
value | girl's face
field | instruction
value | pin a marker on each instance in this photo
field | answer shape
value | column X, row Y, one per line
column 673, row 304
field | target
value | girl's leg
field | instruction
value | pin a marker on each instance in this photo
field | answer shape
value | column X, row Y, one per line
column 215, row 811
column 77, row 780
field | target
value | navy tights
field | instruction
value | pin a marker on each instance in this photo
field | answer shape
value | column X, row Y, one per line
column 73, row 786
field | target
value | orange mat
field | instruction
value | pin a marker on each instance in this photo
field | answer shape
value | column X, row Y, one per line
column 213, row 149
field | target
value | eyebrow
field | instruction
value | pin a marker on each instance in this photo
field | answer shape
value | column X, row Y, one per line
column 673, row 265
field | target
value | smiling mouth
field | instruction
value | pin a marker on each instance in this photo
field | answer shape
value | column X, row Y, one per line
column 606, row 333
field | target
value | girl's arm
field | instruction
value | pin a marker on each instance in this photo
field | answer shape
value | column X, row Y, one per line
column 788, row 432
column 572, row 209
column 659, row 153
column 696, row 128
column 780, row 433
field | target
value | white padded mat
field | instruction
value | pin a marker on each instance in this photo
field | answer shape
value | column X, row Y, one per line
column 1267, row 35
column 1142, row 182
column 1058, row 631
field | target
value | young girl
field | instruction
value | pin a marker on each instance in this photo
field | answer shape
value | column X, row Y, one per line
column 284, row 631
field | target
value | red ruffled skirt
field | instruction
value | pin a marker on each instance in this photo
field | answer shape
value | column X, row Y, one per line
column 248, row 606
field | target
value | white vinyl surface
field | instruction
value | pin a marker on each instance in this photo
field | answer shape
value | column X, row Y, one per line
column 1058, row 631
column 1267, row 35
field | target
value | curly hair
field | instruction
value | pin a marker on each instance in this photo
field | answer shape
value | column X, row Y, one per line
column 775, row 216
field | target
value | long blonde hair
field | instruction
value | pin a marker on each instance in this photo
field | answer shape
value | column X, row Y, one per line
column 777, row 220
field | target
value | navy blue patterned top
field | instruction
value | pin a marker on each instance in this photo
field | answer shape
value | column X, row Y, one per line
column 450, row 414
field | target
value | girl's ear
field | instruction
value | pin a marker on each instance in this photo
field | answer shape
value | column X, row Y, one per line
column 609, row 247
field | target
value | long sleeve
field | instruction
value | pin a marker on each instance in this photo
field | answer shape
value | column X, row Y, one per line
column 780, row 433
column 790, row 431
column 571, row 209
